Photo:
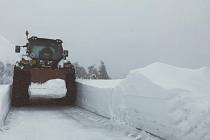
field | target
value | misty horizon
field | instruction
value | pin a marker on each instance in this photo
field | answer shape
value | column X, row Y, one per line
column 124, row 34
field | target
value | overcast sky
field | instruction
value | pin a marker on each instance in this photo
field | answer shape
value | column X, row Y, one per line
column 126, row 34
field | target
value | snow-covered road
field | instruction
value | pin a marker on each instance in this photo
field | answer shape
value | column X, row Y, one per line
column 64, row 123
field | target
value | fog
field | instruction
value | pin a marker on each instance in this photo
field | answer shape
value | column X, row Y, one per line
column 126, row 34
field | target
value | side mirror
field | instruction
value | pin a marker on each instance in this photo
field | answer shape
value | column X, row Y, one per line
column 65, row 53
column 17, row 49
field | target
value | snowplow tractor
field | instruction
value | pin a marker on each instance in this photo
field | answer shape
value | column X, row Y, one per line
column 43, row 60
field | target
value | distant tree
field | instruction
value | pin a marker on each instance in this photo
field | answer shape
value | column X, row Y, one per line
column 92, row 72
column 80, row 71
column 8, row 73
column 103, row 72
column 9, row 69
column 1, row 72
column 1, row 67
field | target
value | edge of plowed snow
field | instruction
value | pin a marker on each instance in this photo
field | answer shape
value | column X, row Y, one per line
column 168, row 101
column 5, row 101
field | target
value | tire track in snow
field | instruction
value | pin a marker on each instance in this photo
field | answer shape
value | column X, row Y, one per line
column 37, row 123
column 91, row 117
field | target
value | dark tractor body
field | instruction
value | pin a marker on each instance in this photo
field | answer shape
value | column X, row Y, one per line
column 42, row 62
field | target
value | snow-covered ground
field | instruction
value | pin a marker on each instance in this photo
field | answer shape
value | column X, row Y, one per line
column 171, row 102
column 41, row 122
column 64, row 123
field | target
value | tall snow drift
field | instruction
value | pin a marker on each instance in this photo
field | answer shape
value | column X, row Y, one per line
column 171, row 77
column 4, row 102
column 168, row 101
column 171, row 102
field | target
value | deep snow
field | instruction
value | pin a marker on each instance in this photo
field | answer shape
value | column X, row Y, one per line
column 171, row 102
column 100, row 83
column 55, row 88
column 41, row 122
column 4, row 102
column 64, row 123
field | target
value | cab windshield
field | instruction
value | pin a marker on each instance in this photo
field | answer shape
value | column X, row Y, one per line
column 46, row 51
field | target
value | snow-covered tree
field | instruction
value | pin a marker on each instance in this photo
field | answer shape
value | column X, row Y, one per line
column 1, row 72
column 92, row 72
column 103, row 72
column 8, row 74
column 80, row 71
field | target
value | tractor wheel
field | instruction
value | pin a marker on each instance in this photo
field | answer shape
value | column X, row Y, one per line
column 21, row 82
column 71, row 87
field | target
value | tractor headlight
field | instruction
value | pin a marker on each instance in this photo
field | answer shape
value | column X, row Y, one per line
column 34, row 62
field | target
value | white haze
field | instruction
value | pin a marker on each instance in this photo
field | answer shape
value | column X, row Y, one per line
column 126, row 34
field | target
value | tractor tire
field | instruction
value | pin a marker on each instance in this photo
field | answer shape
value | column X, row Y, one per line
column 21, row 82
column 71, row 87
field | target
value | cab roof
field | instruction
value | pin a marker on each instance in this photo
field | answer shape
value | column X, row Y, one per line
column 44, row 40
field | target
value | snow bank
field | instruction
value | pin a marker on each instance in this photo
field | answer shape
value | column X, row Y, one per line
column 171, row 102
column 170, row 77
column 4, row 102
column 96, row 95
column 100, row 83
column 55, row 88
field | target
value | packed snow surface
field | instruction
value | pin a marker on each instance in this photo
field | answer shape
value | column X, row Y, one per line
column 171, row 102
column 101, row 83
column 64, row 123
column 4, row 102
column 55, row 88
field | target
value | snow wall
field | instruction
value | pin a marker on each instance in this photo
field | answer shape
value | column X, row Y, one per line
column 5, row 100
column 96, row 95
column 171, row 102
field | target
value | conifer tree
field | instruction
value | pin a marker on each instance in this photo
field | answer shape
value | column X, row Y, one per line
column 103, row 72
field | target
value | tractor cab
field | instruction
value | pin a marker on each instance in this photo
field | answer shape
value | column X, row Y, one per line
column 45, row 49
column 44, row 52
